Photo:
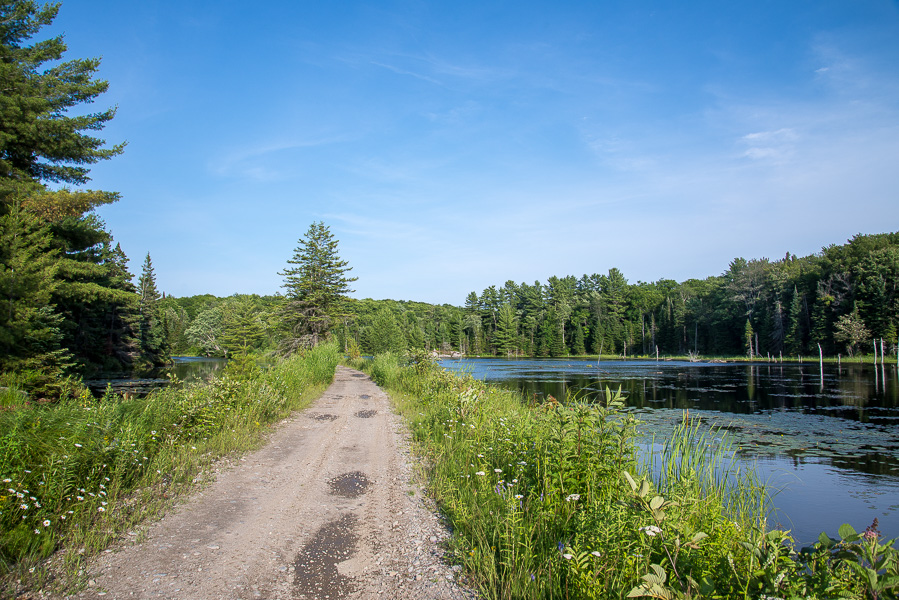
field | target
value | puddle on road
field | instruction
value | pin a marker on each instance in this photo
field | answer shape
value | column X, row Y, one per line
column 365, row 396
column 358, row 375
column 316, row 574
column 366, row 414
column 323, row 417
column 349, row 485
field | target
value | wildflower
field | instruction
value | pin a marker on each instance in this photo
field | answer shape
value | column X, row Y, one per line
column 101, row 509
column 24, row 507
column 573, row 498
column 596, row 554
column 46, row 522
column 480, row 473
column 7, row 480
column 37, row 531
column 80, row 497
column 78, row 445
column 518, row 496
column 651, row 530
column 497, row 470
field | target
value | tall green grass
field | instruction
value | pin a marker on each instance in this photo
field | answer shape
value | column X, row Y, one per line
column 77, row 474
column 553, row 501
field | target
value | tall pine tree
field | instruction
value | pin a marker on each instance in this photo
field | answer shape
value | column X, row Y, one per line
column 316, row 287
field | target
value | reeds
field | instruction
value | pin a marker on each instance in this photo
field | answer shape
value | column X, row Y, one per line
column 557, row 500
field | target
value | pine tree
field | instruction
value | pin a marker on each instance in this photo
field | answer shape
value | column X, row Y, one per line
column 241, row 328
column 153, row 339
column 793, row 341
column 38, row 140
column 316, row 289
column 506, row 330
column 30, row 335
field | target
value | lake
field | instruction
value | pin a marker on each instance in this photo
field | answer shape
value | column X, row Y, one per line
column 184, row 368
column 827, row 441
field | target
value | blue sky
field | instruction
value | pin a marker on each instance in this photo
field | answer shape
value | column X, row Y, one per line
column 451, row 146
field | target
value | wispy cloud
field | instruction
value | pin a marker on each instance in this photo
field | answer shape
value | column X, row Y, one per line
column 265, row 161
column 401, row 71
column 777, row 146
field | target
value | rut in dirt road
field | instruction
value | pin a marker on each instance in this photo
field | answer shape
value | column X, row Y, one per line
column 325, row 510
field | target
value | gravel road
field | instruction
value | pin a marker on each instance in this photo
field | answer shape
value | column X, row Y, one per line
column 327, row 509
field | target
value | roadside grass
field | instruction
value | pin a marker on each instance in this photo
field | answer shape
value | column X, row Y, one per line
column 555, row 501
column 81, row 473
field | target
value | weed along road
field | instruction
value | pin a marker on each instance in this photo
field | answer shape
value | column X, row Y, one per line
column 327, row 509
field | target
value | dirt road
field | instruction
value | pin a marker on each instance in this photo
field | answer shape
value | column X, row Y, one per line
column 326, row 509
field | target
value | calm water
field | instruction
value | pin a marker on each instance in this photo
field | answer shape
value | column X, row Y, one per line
column 828, row 441
column 185, row 368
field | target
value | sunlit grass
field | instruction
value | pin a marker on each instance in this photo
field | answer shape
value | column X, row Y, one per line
column 555, row 501
column 78, row 474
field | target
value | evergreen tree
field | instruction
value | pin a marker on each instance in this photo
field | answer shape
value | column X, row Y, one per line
column 153, row 342
column 95, row 296
column 384, row 334
column 30, row 335
column 793, row 341
column 242, row 329
column 316, row 287
column 39, row 141
column 506, row 330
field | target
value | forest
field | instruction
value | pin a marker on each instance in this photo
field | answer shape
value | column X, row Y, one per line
column 841, row 298
column 70, row 308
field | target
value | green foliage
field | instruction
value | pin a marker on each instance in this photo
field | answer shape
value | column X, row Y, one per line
column 38, row 140
column 153, row 339
column 850, row 330
column 315, row 289
column 550, row 501
column 383, row 334
column 30, row 328
column 84, row 466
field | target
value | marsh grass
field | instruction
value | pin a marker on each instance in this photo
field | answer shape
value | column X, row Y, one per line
column 78, row 474
column 556, row 501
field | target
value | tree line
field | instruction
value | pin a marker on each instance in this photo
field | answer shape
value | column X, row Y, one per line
column 69, row 307
column 841, row 298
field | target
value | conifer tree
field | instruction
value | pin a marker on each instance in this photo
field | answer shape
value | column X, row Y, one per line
column 793, row 341
column 506, row 330
column 30, row 334
column 153, row 339
column 316, row 288
column 39, row 141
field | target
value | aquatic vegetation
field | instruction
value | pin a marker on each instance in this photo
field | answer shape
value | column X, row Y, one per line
column 551, row 501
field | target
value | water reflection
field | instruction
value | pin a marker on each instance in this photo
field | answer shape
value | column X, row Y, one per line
column 194, row 368
column 848, row 391
column 184, row 368
column 827, row 436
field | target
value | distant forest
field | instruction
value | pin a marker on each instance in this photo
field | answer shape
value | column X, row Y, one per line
column 841, row 298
